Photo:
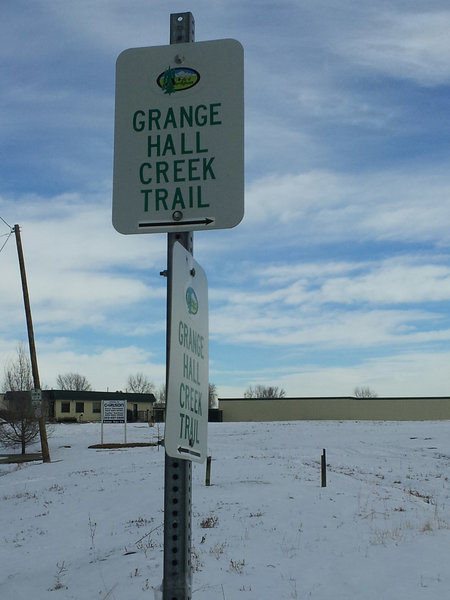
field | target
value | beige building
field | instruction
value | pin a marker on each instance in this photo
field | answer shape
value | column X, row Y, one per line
column 336, row 408
column 68, row 406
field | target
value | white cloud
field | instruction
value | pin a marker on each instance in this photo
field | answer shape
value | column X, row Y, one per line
column 104, row 369
column 326, row 101
column 79, row 269
column 272, row 327
column 409, row 374
column 325, row 206
column 392, row 282
column 407, row 45
column 399, row 280
column 365, row 304
column 413, row 373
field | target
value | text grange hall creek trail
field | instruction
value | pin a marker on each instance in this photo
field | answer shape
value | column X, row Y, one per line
column 190, row 391
column 197, row 165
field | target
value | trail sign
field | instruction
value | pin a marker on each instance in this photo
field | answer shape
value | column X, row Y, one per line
column 179, row 138
column 188, row 381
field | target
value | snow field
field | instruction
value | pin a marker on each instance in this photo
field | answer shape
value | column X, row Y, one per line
column 90, row 524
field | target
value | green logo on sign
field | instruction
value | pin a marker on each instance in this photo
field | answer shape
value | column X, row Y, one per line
column 191, row 301
column 177, row 80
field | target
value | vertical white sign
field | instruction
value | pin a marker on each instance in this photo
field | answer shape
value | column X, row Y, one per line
column 36, row 402
column 188, row 383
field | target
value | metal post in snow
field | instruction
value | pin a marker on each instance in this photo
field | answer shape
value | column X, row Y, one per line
column 324, row 468
column 101, row 429
column 177, row 577
column 208, row 471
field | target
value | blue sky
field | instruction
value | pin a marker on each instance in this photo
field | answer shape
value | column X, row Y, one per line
column 338, row 275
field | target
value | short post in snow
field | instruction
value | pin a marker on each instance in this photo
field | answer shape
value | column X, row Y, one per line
column 208, row 471
column 324, row 468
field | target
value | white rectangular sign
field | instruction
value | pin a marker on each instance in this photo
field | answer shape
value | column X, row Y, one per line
column 186, row 429
column 179, row 138
column 114, row 411
column 36, row 402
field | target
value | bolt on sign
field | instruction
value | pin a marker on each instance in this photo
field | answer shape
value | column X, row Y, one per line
column 188, row 382
column 179, row 138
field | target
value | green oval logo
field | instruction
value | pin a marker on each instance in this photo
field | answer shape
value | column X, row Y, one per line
column 178, row 79
column 191, row 301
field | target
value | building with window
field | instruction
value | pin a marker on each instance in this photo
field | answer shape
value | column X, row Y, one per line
column 65, row 406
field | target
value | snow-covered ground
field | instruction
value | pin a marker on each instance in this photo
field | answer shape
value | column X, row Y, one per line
column 90, row 524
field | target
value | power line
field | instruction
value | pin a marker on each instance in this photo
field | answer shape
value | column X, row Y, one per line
column 6, row 241
column 7, row 224
column 8, row 234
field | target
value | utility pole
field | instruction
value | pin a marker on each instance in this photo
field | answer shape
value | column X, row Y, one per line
column 34, row 365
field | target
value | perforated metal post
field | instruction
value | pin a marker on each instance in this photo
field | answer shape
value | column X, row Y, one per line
column 182, row 28
column 177, row 578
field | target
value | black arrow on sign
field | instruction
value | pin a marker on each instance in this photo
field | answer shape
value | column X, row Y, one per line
column 182, row 450
column 181, row 224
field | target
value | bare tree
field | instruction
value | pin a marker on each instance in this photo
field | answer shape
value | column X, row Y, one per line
column 263, row 391
column 140, row 384
column 364, row 392
column 20, row 426
column 18, row 375
column 212, row 395
column 161, row 394
column 73, row 382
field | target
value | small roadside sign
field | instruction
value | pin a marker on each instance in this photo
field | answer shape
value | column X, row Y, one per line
column 179, row 138
column 186, row 428
column 36, row 402
column 36, row 396
column 114, row 411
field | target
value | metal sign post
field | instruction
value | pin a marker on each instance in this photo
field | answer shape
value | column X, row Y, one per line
column 179, row 168
column 177, row 574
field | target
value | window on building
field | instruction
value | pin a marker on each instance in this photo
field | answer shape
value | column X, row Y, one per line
column 65, row 407
column 96, row 407
column 79, row 407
